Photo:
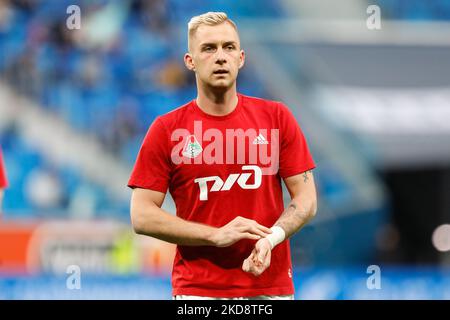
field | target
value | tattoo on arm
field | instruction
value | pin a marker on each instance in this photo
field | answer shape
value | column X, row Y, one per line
column 292, row 219
column 305, row 176
column 299, row 211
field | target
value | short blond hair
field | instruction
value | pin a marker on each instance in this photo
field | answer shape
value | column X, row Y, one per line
column 208, row 19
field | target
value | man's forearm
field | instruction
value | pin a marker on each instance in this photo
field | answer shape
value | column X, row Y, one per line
column 296, row 215
column 155, row 222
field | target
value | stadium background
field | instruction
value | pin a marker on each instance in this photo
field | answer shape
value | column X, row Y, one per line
column 374, row 105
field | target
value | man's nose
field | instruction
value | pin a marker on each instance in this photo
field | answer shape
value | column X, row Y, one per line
column 220, row 56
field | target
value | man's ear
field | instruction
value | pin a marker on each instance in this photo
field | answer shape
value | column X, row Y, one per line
column 241, row 59
column 189, row 62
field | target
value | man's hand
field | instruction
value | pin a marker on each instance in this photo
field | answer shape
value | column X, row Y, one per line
column 259, row 259
column 237, row 229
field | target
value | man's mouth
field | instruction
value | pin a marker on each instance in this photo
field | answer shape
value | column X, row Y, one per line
column 221, row 71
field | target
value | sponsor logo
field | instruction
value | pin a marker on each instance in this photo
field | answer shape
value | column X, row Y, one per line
column 260, row 140
column 220, row 185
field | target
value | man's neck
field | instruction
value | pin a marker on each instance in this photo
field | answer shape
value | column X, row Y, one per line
column 217, row 103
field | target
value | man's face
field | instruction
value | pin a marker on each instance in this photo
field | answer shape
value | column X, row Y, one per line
column 215, row 55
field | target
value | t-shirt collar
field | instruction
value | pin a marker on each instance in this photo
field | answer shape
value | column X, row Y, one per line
column 233, row 113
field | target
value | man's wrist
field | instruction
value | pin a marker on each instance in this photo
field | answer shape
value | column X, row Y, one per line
column 212, row 236
column 277, row 236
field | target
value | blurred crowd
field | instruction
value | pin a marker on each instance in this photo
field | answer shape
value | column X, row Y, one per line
column 100, row 86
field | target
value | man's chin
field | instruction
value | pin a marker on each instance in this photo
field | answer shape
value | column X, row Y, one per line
column 221, row 85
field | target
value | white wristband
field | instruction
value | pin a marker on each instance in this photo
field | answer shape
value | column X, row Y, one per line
column 277, row 236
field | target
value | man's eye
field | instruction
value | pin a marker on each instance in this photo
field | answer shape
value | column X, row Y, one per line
column 209, row 49
column 230, row 47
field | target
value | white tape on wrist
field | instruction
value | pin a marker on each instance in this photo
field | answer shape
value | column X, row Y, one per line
column 277, row 236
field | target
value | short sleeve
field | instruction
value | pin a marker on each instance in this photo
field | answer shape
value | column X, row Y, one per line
column 295, row 156
column 152, row 168
column 3, row 181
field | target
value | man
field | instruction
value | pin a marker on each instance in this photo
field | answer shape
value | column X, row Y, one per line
column 222, row 157
column 3, row 181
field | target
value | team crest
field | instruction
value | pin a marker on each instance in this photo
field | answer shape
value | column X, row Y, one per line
column 192, row 148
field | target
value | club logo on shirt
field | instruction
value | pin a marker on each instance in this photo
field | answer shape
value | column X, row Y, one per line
column 192, row 148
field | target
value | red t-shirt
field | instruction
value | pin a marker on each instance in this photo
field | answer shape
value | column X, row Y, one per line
column 3, row 181
column 218, row 168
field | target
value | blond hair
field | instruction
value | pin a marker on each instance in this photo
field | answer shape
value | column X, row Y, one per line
column 208, row 19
